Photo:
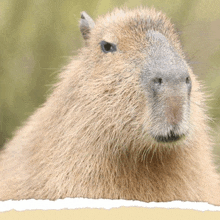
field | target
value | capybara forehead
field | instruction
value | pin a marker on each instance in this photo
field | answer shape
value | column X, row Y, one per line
column 124, row 25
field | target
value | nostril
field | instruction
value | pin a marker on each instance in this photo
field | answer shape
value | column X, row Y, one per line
column 189, row 84
column 158, row 81
column 187, row 80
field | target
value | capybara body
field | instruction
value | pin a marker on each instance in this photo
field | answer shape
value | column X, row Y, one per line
column 127, row 120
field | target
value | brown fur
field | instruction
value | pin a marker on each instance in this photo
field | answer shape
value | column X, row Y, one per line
column 91, row 137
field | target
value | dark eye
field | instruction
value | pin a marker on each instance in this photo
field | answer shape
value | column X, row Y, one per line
column 107, row 47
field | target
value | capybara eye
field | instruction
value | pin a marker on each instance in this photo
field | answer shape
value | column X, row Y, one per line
column 107, row 47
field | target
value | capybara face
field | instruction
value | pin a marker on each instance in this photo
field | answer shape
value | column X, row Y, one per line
column 139, row 66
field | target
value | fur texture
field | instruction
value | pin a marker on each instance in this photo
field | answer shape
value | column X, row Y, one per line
column 92, row 138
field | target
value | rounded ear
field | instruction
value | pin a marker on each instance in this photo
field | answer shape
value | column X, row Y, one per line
column 86, row 24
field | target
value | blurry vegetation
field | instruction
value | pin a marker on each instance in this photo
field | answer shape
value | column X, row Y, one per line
column 39, row 37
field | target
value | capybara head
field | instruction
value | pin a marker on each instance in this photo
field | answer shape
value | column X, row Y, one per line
column 141, row 89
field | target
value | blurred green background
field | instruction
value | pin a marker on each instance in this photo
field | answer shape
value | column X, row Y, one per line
column 39, row 37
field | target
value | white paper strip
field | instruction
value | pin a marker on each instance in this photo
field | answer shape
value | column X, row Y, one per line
column 77, row 203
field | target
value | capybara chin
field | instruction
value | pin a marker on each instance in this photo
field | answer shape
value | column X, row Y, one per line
column 127, row 120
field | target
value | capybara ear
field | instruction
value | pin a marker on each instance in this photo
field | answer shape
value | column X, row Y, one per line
column 86, row 24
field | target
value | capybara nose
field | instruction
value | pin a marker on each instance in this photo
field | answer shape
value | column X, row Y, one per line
column 159, row 84
column 170, row 90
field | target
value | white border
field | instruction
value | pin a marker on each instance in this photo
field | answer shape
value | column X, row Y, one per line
column 78, row 203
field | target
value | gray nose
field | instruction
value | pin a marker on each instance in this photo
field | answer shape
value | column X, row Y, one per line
column 178, row 80
column 165, row 70
column 170, row 91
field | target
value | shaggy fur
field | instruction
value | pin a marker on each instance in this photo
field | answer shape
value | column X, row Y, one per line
column 92, row 137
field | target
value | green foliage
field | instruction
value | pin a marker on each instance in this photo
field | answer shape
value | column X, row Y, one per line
column 39, row 37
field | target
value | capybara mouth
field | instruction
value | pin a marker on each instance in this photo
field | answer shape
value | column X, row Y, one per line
column 171, row 137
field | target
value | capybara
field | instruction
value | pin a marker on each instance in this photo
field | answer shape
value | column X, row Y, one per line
column 127, row 120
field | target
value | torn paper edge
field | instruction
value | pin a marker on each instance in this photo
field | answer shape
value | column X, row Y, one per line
column 80, row 203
